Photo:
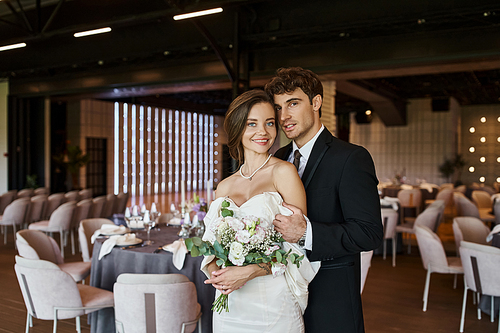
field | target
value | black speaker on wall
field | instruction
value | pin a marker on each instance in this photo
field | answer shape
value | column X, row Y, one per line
column 363, row 118
column 441, row 104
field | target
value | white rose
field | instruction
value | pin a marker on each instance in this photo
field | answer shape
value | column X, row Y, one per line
column 222, row 226
column 236, row 255
column 278, row 269
column 235, row 224
column 259, row 236
column 243, row 236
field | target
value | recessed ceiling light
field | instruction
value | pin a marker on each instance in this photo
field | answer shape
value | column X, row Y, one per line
column 472, row 149
column 472, row 129
column 483, row 139
column 482, row 179
column 197, row 14
column 12, row 46
column 471, row 169
column 483, row 119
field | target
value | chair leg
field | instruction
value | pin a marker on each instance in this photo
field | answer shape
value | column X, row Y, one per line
column 78, row 326
column 55, row 321
column 394, row 240
column 28, row 322
column 199, row 325
column 426, row 290
column 464, row 305
column 478, row 300
column 72, row 242
column 5, row 235
column 14, row 231
column 409, row 243
column 61, row 232
column 455, row 281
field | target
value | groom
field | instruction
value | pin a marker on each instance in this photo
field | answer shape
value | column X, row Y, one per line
column 342, row 202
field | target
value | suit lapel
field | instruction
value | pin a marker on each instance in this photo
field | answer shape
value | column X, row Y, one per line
column 320, row 147
column 284, row 152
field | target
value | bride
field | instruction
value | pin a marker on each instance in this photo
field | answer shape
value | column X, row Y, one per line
column 258, row 302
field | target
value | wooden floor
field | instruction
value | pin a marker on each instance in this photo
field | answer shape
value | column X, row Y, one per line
column 392, row 298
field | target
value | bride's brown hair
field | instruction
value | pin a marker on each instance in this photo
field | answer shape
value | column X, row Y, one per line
column 236, row 120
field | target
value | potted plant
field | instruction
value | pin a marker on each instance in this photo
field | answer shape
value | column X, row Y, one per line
column 73, row 159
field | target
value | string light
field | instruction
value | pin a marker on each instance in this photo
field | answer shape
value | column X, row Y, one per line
column 472, row 129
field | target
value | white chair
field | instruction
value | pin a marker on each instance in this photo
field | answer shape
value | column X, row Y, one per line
column 34, row 244
column 121, row 203
column 390, row 220
column 85, row 232
column 429, row 218
column 14, row 215
column 481, row 265
column 109, row 205
column 6, row 199
column 97, row 205
column 409, row 199
column 434, row 258
column 465, row 207
column 41, row 190
column 59, row 221
column 156, row 303
column 38, row 203
column 366, row 258
column 85, row 194
column 445, row 194
column 470, row 229
column 82, row 211
column 53, row 201
column 51, row 294
column 71, row 196
column 482, row 199
column 25, row 193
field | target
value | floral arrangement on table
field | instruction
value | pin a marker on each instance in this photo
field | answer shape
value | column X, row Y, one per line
column 240, row 242
column 197, row 205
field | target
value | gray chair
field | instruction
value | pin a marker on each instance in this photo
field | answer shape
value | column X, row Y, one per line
column 71, row 196
column 156, row 303
column 481, row 264
column 38, row 203
column 82, row 211
column 41, row 190
column 465, row 207
column 109, row 205
column 14, row 215
column 51, row 294
column 409, row 199
column 59, row 221
column 85, row 194
column 26, row 193
column 390, row 220
column 6, row 199
column 97, row 205
column 121, row 203
column 434, row 258
column 85, row 232
column 469, row 229
column 34, row 244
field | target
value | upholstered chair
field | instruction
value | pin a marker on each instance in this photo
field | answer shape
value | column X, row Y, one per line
column 53, row 201
column 34, row 244
column 51, row 294
column 82, row 211
column 390, row 220
column 409, row 199
column 481, row 265
column 97, row 205
column 121, row 203
column 60, row 221
column 41, row 190
column 156, row 303
column 38, row 203
column 469, row 229
column 366, row 258
column 6, row 199
column 85, row 194
column 15, row 216
column 25, row 193
column 71, row 196
column 109, row 205
column 85, row 231
column 434, row 258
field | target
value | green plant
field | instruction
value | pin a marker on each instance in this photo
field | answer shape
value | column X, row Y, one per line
column 31, row 181
column 452, row 166
column 73, row 159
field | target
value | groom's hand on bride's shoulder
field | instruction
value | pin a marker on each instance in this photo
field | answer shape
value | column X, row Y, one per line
column 291, row 227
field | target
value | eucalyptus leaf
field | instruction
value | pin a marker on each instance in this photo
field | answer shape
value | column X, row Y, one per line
column 189, row 243
column 197, row 241
column 195, row 252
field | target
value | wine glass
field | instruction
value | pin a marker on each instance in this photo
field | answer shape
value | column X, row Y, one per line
column 148, row 224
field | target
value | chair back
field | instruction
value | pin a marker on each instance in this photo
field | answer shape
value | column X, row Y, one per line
column 465, row 207
column 366, row 258
column 155, row 303
column 41, row 190
column 34, row 244
column 38, row 203
column 446, row 194
column 97, row 205
column 53, row 201
column 390, row 220
column 461, row 189
column 45, row 286
column 440, row 206
column 82, row 211
column 121, row 202
column 481, row 265
column 6, row 199
column 496, row 210
column 429, row 218
column 25, row 193
column 63, row 215
column 410, row 198
column 71, row 196
column 482, row 199
column 446, row 185
column 15, row 213
column 472, row 229
column 85, row 232
column 85, row 194
column 431, row 247
column 109, row 205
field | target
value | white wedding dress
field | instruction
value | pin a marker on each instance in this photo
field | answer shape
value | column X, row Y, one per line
column 266, row 303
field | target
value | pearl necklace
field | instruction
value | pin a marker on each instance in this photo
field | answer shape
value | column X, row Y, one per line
column 253, row 174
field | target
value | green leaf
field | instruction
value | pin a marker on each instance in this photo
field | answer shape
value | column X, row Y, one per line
column 225, row 204
column 219, row 262
column 226, row 212
column 189, row 243
column 197, row 241
column 203, row 250
column 195, row 252
column 218, row 247
column 278, row 256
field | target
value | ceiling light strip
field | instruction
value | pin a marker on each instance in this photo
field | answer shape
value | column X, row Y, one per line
column 197, row 14
column 12, row 46
column 92, row 32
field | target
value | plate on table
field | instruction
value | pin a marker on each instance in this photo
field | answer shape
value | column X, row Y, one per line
column 174, row 221
column 118, row 230
column 127, row 240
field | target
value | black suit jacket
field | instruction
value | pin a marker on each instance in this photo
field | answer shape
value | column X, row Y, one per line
column 344, row 209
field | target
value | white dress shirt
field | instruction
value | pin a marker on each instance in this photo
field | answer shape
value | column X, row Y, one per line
column 305, row 152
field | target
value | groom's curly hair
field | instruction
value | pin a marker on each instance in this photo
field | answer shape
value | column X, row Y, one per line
column 287, row 80
column 236, row 120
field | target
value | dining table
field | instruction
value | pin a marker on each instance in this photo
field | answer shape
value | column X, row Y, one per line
column 146, row 259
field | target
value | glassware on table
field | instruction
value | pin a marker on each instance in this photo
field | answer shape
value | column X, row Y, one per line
column 148, row 224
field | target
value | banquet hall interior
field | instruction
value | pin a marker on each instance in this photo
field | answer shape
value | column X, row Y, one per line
column 119, row 106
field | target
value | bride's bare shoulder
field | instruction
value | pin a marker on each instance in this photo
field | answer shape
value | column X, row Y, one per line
column 224, row 186
column 282, row 168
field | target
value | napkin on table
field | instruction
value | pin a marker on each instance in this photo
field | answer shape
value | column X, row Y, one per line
column 386, row 201
column 108, row 245
column 495, row 230
column 175, row 220
column 179, row 250
column 108, row 228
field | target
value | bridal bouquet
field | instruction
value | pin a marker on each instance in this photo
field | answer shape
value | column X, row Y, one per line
column 240, row 242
